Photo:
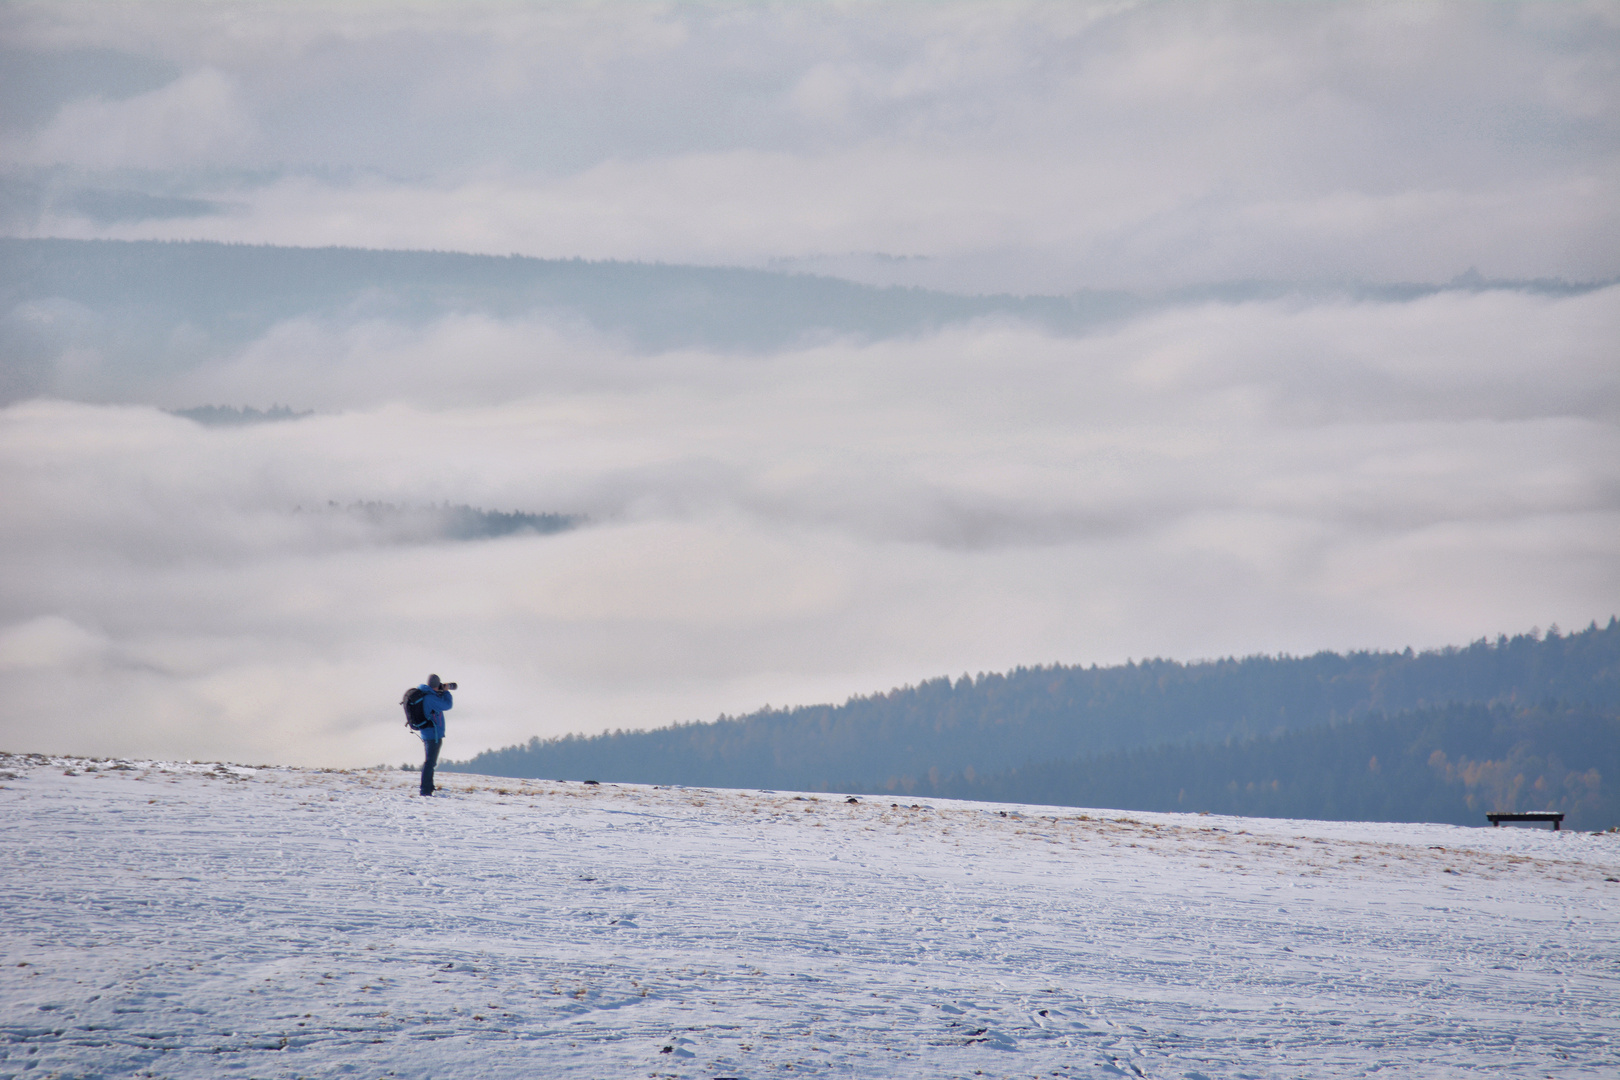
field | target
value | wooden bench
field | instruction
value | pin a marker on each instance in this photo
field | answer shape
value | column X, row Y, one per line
column 1533, row 815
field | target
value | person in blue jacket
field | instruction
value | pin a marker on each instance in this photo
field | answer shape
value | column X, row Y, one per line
column 435, row 701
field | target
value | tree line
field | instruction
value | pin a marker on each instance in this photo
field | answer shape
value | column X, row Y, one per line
column 1009, row 736
column 1450, row 764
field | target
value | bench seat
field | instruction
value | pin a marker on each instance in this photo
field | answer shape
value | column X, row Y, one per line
column 1528, row 815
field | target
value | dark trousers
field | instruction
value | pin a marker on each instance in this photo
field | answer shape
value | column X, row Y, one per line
column 430, row 758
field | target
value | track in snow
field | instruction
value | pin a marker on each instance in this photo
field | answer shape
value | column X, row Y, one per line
column 184, row 920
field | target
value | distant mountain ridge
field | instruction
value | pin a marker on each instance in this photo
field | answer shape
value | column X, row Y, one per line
column 127, row 298
column 237, row 289
column 657, row 303
column 980, row 735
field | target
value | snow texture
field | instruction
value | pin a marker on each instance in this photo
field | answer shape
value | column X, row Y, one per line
column 198, row 920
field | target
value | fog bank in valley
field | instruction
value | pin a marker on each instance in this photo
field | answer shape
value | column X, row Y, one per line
column 795, row 525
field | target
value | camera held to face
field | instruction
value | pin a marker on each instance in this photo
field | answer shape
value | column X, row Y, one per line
column 447, row 686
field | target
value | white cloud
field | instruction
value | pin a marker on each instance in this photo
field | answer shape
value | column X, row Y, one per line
column 46, row 642
column 195, row 120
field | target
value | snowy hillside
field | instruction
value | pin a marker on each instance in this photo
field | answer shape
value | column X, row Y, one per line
column 189, row 920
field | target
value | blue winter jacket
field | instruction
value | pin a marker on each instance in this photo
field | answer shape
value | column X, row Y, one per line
column 434, row 703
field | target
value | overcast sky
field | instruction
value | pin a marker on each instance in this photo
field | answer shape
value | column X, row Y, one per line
column 987, row 145
column 844, row 516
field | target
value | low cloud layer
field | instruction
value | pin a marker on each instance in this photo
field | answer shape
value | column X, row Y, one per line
column 977, row 146
column 793, row 526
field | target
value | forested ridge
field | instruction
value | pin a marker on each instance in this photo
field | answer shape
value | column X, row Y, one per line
column 241, row 289
column 150, row 307
column 1453, row 763
column 1052, row 734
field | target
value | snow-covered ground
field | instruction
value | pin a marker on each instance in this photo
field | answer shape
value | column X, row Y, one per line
column 170, row 919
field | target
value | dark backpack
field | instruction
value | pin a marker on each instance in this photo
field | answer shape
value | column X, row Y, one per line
column 415, row 717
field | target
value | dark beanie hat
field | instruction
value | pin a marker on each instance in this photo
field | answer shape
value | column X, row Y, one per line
column 433, row 680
